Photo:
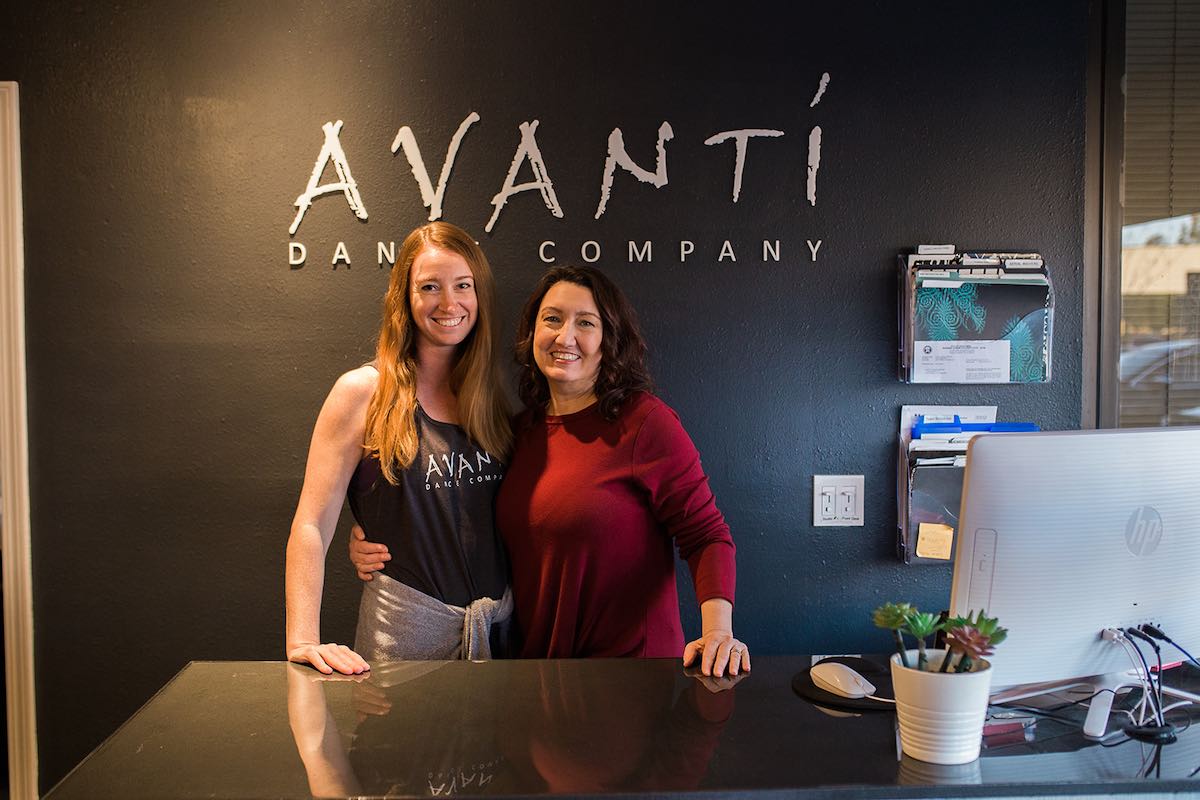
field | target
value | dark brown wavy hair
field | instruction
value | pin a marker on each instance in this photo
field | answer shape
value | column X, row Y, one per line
column 622, row 349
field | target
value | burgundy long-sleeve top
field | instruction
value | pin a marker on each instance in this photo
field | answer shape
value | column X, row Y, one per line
column 590, row 510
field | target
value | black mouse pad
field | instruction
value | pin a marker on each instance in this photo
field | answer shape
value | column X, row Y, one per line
column 877, row 674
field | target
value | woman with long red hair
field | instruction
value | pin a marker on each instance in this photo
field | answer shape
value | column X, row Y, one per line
column 416, row 441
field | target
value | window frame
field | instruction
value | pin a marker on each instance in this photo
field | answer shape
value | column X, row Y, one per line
column 1103, row 218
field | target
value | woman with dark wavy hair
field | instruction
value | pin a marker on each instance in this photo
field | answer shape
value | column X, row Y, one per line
column 603, row 485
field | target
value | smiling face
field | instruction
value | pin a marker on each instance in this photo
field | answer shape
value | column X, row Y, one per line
column 566, row 339
column 442, row 298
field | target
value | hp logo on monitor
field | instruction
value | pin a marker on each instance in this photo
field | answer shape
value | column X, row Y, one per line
column 1144, row 531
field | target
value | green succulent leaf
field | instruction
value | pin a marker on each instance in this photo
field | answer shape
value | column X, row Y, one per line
column 989, row 627
column 893, row 616
column 922, row 624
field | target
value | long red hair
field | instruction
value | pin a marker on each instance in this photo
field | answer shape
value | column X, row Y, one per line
column 483, row 410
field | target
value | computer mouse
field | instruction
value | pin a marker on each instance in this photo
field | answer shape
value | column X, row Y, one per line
column 840, row 680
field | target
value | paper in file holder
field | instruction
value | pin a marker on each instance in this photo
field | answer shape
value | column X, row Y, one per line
column 981, row 317
column 933, row 455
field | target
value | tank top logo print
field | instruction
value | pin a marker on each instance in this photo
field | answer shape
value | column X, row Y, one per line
column 454, row 469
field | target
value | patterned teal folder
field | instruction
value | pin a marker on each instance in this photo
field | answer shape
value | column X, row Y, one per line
column 1015, row 313
column 969, row 325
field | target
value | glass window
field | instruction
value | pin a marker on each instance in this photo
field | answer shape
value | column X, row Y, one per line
column 1160, row 243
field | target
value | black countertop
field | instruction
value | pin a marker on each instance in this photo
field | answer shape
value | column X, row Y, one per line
column 264, row 729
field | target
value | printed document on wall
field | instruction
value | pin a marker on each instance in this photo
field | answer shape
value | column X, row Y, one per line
column 961, row 362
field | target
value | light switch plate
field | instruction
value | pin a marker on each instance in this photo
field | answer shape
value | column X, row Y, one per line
column 837, row 500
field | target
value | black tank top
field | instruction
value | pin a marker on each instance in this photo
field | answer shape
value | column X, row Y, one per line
column 438, row 523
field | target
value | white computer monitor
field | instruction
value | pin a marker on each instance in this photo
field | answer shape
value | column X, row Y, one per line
column 1063, row 534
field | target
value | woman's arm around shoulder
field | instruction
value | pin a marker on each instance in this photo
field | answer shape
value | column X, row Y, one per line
column 333, row 454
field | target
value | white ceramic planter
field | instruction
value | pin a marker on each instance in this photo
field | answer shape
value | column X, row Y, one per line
column 941, row 714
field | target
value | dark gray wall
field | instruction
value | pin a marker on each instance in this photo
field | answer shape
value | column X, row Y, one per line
column 176, row 362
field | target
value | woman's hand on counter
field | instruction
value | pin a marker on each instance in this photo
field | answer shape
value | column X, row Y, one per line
column 327, row 658
column 717, row 652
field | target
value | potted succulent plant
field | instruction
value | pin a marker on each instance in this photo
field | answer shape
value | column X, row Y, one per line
column 941, row 695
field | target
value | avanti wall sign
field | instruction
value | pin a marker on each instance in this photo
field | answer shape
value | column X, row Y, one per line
column 528, row 152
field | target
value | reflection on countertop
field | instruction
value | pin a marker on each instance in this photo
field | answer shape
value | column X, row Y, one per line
column 605, row 726
column 431, row 728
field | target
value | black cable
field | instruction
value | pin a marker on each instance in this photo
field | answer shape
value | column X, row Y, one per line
column 1162, row 733
column 1048, row 711
column 1138, row 634
column 1146, row 669
column 1146, row 666
column 1083, row 700
column 1152, row 734
column 1152, row 630
column 1157, row 633
column 1148, row 762
column 1158, row 654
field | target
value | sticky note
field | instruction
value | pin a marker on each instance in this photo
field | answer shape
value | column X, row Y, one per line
column 934, row 540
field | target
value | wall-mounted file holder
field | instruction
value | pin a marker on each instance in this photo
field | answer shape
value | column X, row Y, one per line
column 932, row 458
column 979, row 317
column 933, row 496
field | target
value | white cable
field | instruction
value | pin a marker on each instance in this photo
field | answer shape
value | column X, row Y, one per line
column 880, row 699
column 1137, row 668
column 1141, row 708
column 1134, row 656
column 1157, row 715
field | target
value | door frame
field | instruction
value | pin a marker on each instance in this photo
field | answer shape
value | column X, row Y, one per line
column 14, row 463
